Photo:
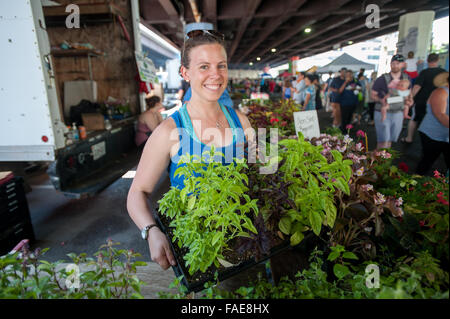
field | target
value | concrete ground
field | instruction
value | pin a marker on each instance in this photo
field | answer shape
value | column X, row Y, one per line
column 69, row 225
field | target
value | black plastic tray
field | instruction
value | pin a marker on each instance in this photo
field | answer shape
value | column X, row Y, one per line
column 223, row 274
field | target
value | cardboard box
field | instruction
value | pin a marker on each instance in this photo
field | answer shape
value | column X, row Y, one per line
column 93, row 121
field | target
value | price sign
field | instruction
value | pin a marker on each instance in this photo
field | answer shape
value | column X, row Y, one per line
column 147, row 70
column 307, row 122
column 98, row 150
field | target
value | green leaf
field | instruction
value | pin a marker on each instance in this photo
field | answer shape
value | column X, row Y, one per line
column 243, row 234
column 331, row 213
column 296, row 238
column 333, row 255
column 191, row 202
column 349, row 255
column 183, row 195
column 285, row 225
column 216, row 238
column 340, row 271
column 315, row 221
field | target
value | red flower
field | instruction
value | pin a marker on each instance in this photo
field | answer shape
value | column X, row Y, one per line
column 284, row 123
column 403, row 166
column 422, row 223
column 360, row 133
column 349, row 127
column 437, row 174
column 274, row 120
column 441, row 199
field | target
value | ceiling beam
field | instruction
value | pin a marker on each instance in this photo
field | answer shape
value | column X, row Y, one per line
column 169, row 8
column 329, row 24
column 252, row 5
column 292, row 6
column 210, row 11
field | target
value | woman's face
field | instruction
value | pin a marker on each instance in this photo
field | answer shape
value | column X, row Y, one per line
column 307, row 81
column 208, row 71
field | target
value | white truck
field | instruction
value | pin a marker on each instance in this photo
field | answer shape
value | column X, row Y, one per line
column 33, row 117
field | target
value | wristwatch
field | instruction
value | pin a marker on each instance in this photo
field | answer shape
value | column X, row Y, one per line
column 144, row 231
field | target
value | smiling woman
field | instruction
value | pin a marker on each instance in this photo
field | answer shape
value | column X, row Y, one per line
column 200, row 123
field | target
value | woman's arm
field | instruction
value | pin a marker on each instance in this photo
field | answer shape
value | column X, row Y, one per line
column 342, row 88
column 154, row 161
column 308, row 96
column 438, row 102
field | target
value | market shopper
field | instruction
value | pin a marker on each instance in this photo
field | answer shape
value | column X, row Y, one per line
column 287, row 90
column 421, row 91
column 389, row 129
column 148, row 120
column 299, row 86
column 309, row 103
column 335, row 86
column 433, row 130
column 187, row 132
column 371, row 102
column 348, row 100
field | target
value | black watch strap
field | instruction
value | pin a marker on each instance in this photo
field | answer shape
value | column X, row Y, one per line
column 146, row 230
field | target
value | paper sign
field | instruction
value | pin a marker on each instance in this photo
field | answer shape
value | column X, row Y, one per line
column 98, row 150
column 147, row 70
column 307, row 122
column 394, row 99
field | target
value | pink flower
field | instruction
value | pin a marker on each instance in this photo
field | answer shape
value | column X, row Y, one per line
column 349, row 127
column 360, row 171
column 437, row 174
column 367, row 187
column 380, row 199
column 359, row 147
column 399, row 202
column 360, row 133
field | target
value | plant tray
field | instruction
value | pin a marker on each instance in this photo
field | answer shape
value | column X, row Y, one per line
column 196, row 286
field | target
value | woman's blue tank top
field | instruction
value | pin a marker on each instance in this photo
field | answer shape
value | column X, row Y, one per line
column 190, row 144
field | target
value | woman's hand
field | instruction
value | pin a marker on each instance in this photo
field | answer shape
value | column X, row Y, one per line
column 160, row 249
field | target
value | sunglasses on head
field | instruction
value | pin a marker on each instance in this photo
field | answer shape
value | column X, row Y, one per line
column 212, row 33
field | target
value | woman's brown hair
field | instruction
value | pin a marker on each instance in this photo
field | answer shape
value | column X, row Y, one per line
column 193, row 42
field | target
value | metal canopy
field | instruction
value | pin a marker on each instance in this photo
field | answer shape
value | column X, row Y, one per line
column 253, row 28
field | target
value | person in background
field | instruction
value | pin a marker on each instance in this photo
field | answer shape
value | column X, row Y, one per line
column 421, row 91
column 335, row 86
column 271, row 86
column 326, row 92
column 316, row 83
column 148, row 120
column 183, row 89
column 299, row 88
column 385, row 86
column 371, row 102
column 287, row 90
column 348, row 99
column 360, row 93
column 411, row 66
column 309, row 103
column 433, row 130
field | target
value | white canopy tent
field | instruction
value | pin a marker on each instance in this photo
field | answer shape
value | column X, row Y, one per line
column 345, row 61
